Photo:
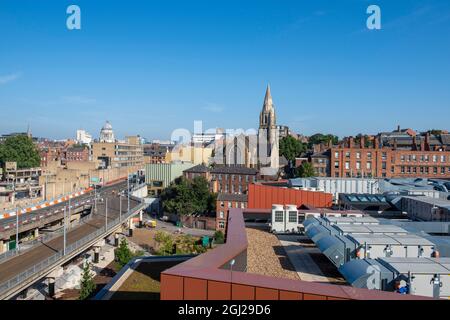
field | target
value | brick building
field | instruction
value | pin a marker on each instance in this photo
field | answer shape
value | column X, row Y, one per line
column 224, row 203
column 77, row 154
column 390, row 160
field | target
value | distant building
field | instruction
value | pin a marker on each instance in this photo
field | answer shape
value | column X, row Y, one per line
column 83, row 137
column 77, row 154
column 107, row 133
column 118, row 154
column 159, row 176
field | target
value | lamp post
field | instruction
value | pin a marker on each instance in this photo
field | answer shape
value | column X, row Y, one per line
column 17, row 228
column 120, row 207
column 232, row 262
column 106, row 214
column 128, row 191
column 64, row 231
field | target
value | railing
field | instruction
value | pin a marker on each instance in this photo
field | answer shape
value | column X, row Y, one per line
column 30, row 244
column 46, row 263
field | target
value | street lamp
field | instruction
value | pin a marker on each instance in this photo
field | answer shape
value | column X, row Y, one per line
column 17, row 228
column 120, row 207
column 106, row 214
column 64, row 231
column 232, row 262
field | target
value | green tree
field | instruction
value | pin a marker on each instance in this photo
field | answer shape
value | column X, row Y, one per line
column 185, row 197
column 123, row 253
column 319, row 138
column 20, row 149
column 291, row 148
column 165, row 243
column 219, row 237
column 306, row 170
column 87, row 284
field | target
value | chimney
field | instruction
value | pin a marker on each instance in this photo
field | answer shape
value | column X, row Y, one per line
column 427, row 141
column 350, row 142
column 362, row 142
column 398, row 128
column 376, row 143
column 422, row 144
column 414, row 145
column 395, row 144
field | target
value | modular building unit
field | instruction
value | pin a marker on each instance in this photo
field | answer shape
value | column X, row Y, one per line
column 372, row 246
column 337, row 248
column 352, row 220
column 368, row 274
column 366, row 229
column 316, row 232
column 429, row 277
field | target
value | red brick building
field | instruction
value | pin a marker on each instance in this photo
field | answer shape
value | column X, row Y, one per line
column 77, row 154
column 394, row 160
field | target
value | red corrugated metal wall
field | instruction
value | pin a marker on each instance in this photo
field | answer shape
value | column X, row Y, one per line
column 263, row 197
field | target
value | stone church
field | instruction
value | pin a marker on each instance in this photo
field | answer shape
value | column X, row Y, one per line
column 254, row 149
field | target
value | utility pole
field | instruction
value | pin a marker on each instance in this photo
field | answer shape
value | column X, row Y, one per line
column 106, row 214
column 120, row 207
column 64, row 231
column 128, row 191
column 17, row 228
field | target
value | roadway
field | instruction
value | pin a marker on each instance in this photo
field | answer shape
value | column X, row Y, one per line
column 14, row 266
column 50, row 214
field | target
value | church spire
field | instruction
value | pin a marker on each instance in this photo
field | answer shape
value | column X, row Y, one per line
column 268, row 104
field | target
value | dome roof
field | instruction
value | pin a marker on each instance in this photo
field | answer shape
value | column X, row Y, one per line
column 107, row 126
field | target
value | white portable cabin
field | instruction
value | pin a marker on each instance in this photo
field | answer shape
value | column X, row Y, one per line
column 372, row 246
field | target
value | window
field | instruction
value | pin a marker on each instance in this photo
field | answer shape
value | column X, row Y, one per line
column 369, row 155
column 336, row 154
column 369, row 165
column 414, row 157
column 347, row 154
column 230, row 204
column 293, row 216
column 279, row 216
column 347, row 165
column 221, row 204
column 358, row 165
column 336, row 164
column 358, row 155
column 442, row 158
column 383, row 156
column 221, row 225
column 435, row 170
column 402, row 158
column 434, row 158
column 383, row 165
column 221, row 215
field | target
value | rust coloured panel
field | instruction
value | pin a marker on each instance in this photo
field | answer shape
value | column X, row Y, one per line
column 171, row 287
column 195, row 289
column 266, row 294
column 242, row 292
column 219, row 290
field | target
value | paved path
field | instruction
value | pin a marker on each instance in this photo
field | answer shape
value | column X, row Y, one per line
column 14, row 266
column 299, row 256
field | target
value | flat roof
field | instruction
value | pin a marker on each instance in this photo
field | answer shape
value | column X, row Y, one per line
column 374, row 228
column 352, row 220
column 418, row 265
column 434, row 201
column 391, row 239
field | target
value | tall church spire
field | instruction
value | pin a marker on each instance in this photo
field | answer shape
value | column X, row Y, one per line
column 268, row 104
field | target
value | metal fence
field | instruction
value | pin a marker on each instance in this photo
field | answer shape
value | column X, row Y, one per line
column 50, row 261
column 26, row 246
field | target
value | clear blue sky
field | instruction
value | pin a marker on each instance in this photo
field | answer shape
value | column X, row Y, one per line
column 153, row 66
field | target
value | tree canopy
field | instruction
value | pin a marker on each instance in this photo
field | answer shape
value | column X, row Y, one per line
column 20, row 149
column 306, row 170
column 187, row 197
column 319, row 138
column 291, row 148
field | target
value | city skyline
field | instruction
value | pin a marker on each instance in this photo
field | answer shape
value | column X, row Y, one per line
column 164, row 66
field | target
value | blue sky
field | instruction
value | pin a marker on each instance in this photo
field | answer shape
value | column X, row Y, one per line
column 153, row 66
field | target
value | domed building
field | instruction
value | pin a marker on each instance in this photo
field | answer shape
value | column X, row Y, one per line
column 107, row 133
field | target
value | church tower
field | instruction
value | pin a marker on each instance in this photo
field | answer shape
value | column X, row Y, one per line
column 268, row 131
